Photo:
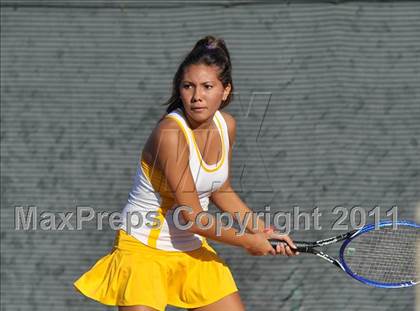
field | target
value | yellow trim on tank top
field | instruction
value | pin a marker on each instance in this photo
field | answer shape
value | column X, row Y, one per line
column 202, row 162
column 155, row 232
column 155, row 177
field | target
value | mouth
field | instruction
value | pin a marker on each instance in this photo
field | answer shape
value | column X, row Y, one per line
column 198, row 109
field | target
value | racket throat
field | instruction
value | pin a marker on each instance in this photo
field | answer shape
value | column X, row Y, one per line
column 329, row 259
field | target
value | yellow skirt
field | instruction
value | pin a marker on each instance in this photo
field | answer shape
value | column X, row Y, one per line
column 136, row 274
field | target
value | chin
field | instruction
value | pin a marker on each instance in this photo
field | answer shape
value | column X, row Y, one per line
column 200, row 117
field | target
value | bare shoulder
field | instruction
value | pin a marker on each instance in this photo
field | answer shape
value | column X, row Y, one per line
column 169, row 133
column 231, row 124
column 167, row 123
column 166, row 138
column 230, row 120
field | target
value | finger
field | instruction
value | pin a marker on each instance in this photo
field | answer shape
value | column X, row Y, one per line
column 286, row 250
column 282, row 251
column 285, row 239
column 289, row 241
column 268, row 231
column 276, row 247
column 289, row 251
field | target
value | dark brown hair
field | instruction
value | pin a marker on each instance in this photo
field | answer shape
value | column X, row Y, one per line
column 210, row 51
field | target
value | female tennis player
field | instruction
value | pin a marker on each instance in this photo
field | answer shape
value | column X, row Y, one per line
column 160, row 255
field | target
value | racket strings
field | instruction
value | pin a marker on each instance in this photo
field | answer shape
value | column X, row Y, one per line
column 385, row 255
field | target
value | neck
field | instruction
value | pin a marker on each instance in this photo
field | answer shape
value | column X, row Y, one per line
column 198, row 126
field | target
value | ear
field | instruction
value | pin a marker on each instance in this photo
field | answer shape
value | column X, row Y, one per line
column 226, row 91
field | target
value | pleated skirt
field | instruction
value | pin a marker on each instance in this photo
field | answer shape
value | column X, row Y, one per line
column 136, row 274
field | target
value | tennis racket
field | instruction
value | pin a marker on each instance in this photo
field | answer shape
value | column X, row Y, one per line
column 384, row 256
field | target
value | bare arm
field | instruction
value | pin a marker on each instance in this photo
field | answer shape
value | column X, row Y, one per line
column 226, row 199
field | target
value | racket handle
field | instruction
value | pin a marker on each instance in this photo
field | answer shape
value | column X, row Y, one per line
column 303, row 247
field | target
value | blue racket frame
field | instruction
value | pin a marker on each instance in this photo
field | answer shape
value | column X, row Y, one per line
column 367, row 228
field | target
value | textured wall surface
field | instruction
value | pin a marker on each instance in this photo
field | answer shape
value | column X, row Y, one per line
column 328, row 112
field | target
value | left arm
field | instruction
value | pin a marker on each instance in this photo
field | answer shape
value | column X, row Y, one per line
column 225, row 198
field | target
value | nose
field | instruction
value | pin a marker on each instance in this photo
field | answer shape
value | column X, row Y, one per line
column 196, row 95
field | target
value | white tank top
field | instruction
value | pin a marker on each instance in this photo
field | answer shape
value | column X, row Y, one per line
column 150, row 193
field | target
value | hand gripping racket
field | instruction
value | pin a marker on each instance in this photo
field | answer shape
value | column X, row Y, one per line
column 381, row 257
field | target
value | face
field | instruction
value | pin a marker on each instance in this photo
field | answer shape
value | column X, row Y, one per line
column 202, row 93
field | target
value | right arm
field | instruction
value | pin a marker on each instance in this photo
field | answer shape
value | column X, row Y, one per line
column 172, row 157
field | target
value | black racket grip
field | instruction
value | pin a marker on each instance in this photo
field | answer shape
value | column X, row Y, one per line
column 301, row 246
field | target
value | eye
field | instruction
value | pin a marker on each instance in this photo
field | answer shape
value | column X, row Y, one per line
column 186, row 86
column 208, row 86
